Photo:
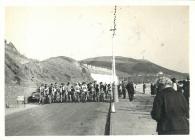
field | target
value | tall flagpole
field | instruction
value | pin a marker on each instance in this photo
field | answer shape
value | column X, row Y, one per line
column 114, row 77
column 113, row 43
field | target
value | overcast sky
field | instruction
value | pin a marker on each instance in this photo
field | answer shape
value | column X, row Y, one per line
column 159, row 33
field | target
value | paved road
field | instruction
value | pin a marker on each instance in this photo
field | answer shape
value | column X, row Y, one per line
column 59, row 119
column 135, row 118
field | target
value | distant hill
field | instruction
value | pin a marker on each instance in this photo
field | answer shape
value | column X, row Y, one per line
column 14, row 54
column 129, row 67
column 20, row 70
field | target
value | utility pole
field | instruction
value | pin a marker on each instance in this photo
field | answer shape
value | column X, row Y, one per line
column 114, row 77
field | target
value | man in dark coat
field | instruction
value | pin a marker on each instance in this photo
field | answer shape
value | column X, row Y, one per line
column 130, row 90
column 152, row 88
column 170, row 110
column 144, row 88
column 123, row 90
column 120, row 89
column 186, row 88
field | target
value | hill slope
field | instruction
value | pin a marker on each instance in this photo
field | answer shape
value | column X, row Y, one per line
column 131, row 67
column 20, row 70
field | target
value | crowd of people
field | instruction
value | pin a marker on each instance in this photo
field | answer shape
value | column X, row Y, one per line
column 100, row 92
column 126, row 87
column 171, row 106
column 78, row 92
column 181, row 87
column 83, row 92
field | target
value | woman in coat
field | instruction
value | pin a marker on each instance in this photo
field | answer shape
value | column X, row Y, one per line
column 170, row 110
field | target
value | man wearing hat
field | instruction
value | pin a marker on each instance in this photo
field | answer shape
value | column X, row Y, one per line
column 170, row 110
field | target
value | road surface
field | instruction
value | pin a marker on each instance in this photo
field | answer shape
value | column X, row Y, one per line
column 135, row 118
column 131, row 118
column 58, row 119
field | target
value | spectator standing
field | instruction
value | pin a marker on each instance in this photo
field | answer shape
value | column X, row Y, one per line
column 174, row 85
column 130, row 90
column 144, row 88
column 120, row 89
column 41, row 91
column 186, row 88
column 123, row 90
column 170, row 110
column 69, row 95
column 152, row 88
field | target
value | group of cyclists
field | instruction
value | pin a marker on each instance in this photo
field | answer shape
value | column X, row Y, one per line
column 77, row 92
column 95, row 92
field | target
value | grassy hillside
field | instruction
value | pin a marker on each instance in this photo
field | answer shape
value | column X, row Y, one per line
column 20, row 70
column 133, row 67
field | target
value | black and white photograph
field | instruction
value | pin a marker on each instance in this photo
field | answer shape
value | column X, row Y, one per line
column 96, row 70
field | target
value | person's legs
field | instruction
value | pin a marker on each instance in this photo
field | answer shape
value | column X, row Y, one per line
column 40, row 99
column 69, row 97
column 124, row 94
column 43, row 100
column 49, row 96
column 129, row 94
column 130, row 97
column 61, row 98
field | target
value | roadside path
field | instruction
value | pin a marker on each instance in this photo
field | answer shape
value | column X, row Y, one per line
column 133, row 118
